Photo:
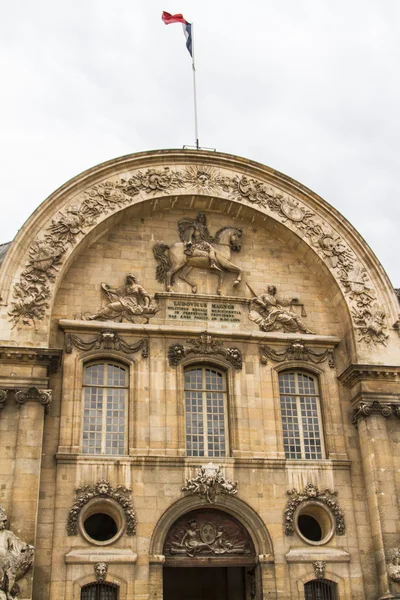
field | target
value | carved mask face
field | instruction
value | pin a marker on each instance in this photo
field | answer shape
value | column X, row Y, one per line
column 202, row 178
column 102, row 488
column 101, row 570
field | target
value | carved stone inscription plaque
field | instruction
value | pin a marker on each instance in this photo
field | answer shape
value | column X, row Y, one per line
column 208, row 533
column 181, row 310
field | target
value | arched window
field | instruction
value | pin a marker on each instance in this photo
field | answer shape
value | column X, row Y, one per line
column 105, row 407
column 99, row 591
column 301, row 415
column 320, row 589
column 205, row 406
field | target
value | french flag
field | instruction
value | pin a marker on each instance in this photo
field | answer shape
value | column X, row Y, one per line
column 187, row 27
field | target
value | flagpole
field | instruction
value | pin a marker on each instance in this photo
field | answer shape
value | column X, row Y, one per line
column 196, row 128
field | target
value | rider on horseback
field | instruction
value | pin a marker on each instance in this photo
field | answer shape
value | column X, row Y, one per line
column 197, row 239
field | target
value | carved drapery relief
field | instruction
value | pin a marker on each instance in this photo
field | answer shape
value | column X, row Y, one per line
column 198, row 249
column 319, row 568
column 129, row 302
column 16, row 558
column 102, row 489
column 311, row 492
column 46, row 254
column 272, row 313
column 100, row 571
column 207, row 533
column 204, row 345
column 365, row 409
column 33, row 394
column 209, row 482
column 109, row 340
column 297, row 350
column 394, row 566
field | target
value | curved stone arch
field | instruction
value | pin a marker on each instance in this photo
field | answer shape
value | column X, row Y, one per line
column 85, row 202
column 234, row 506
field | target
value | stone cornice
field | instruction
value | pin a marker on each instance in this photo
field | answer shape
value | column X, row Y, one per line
column 50, row 357
column 356, row 373
column 150, row 330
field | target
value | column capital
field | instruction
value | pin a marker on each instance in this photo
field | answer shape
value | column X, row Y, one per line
column 33, row 394
column 3, row 398
column 374, row 407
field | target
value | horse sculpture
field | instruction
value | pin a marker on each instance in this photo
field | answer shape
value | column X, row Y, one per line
column 172, row 260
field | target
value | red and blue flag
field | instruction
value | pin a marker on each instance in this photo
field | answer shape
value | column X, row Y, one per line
column 187, row 27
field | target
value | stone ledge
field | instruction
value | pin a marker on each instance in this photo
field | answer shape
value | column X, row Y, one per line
column 91, row 556
column 307, row 555
column 81, row 326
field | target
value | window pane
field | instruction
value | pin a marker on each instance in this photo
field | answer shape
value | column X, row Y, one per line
column 302, row 433
column 105, row 398
column 205, row 399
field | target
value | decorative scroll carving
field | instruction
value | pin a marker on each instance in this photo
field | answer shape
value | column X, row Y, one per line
column 272, row 313
column 35, row 395
column 107, row 339
column 100, row 571
column 394, row 566
column 16, row 558
column 102, row 489
column 207, row 533
column 32, row 292
column 206, row 345
column 370, row 323
column 3, row 398
column 209, row 482
column 297, row 350
column 198, row 248
column 311, row 492
column 319, row 568
column 365, row 409
column 130, row 302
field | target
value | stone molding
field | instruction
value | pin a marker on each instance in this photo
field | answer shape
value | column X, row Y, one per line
column 31, row 394
column 107, row 340
column 357, row 372
column 312, row 493
column 204, row 345
column 102, row 489
column 296, row 350
column 290, row 203
column 209, row 482
column 50, row 357
column 110, row 555
column 366, row 409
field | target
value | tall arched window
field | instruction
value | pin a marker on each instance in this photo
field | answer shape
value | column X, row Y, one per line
column 99, row 591
column 301, row 416
column 320, row 589
column 205, row 406
column 105, row 408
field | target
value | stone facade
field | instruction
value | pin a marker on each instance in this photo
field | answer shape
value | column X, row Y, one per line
column 157, row 263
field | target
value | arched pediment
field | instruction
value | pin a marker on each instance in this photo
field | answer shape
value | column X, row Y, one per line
column 76, row 213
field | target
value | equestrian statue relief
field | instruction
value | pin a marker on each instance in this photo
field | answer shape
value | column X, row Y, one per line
column 198, row 249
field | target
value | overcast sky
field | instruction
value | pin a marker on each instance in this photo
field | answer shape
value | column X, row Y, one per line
column 308, row 87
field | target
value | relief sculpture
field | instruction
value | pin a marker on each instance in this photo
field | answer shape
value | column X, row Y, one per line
column 198, row 249
column 207, row 533
column 130, row 302
column 273, row 313
column 16, row 558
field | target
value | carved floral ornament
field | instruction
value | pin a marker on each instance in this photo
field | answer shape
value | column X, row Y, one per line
column 204, row 345
column 102, row 489
column 209, row 482
column 46, row 254
column 297, row 350
column 107, row 340
column 312, row 493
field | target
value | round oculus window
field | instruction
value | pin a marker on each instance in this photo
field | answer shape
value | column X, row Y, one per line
column 314, row 523
column 102, row 521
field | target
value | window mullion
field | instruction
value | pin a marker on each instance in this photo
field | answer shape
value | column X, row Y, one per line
column 205, row 416
column 104, row 422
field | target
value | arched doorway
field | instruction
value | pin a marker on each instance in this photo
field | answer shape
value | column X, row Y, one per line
column 209, row 555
